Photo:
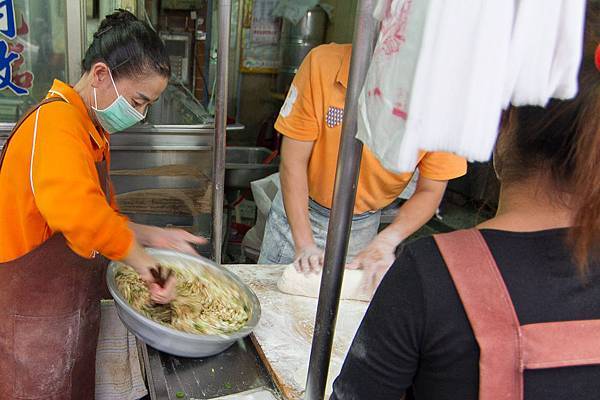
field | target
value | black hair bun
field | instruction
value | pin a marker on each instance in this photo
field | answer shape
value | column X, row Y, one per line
column 129, row 46
column 118, row 18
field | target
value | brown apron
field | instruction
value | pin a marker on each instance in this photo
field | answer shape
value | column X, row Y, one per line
column 506, row 347
column 50, row 314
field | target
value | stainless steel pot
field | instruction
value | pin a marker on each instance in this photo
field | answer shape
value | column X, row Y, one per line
column 170, row 340
column 296, row 42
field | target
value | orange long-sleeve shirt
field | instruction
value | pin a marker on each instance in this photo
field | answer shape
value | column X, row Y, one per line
column 51, row 185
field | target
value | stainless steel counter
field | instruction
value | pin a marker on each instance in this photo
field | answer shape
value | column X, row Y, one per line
column 145, row 135
column 163, row 174
column 238, row 369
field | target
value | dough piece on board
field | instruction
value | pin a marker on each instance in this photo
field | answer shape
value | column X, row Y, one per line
column 308, row 285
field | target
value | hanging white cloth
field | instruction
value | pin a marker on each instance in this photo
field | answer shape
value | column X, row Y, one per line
column 568, row 53
column 534, row 40
column 455, row 66
column 545, row 51
column 458, row 86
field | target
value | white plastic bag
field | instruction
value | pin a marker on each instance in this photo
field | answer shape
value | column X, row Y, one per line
column 264, row 191
column 384, row 101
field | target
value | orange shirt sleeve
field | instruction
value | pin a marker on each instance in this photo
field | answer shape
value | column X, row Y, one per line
column 298, row 117
column 441, row 166
column 66, row 189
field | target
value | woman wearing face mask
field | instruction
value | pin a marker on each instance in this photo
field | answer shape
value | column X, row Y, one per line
column 59, row 224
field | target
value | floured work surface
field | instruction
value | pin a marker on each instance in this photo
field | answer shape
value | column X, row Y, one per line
column 284, row 333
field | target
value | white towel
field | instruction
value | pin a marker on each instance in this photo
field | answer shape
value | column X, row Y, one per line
column 568, row 53
column 118, row 371
column 536, row 33
column 458, row 87
column 545, row 51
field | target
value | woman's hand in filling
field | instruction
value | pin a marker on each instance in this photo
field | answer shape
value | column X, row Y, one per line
column 142, row 263
column 164, row 294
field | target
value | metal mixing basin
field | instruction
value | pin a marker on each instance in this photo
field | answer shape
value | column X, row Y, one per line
column 170, row 340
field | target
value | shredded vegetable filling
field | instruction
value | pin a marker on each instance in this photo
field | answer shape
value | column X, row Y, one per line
column 204, row 304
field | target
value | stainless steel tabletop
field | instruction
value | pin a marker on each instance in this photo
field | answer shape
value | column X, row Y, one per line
column 238, row 369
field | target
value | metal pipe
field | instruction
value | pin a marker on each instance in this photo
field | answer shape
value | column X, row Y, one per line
column 207, row 50
column 238, row 61
column 140, row 9
column 224, row 15
column 346, row 179
column 76, row 38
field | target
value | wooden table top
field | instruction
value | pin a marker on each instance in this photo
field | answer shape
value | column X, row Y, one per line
column 283, row 336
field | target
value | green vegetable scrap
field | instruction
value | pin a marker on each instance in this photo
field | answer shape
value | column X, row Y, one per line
column 228, row 386
column 180, row 395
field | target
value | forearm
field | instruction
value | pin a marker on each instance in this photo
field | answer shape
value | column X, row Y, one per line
column 294, row 186
column 413, row 214
column 138, row 258
column 142, row 233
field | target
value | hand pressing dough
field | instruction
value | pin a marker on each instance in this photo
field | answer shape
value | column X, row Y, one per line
column 308, row 285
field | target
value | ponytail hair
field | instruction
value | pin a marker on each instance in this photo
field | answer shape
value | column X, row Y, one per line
column 130, row 48
column 585, row 234
column 562, row 141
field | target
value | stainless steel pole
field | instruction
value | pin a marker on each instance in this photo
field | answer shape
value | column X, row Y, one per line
column 76, row 38
column 346, row 178
column 224, row 15
column 140, row 9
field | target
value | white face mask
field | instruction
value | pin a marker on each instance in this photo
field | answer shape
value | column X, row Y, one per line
column 118, row 116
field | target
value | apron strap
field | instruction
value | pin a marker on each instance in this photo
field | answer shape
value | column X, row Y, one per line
column 561, row 344
column 20, row 122
column 506, row 348
column 490, row 312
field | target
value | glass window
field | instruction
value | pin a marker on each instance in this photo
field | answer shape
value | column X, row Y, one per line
column 98, row 9
column 32, row 52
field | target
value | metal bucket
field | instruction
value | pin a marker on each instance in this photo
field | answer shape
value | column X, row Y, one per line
column 296, row 42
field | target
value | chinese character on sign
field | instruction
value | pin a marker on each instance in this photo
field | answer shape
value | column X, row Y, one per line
column 6, row 59
column 11, row 54
column 7, row 19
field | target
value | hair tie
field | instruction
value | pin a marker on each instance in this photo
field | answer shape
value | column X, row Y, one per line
column 125, row 61
column 597, row 57
column 103, row 31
